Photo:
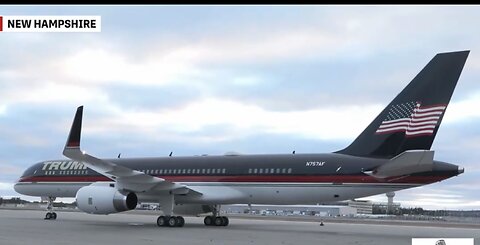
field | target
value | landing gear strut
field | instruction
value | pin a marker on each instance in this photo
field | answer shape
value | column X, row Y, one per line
column 216, row 219
column 169, row 219
column 50, row 214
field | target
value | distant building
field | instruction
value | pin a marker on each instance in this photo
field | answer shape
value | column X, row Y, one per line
column 287, row 210
column 363, row 207
column 383, row 207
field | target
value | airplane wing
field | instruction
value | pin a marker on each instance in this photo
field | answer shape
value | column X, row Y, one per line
column 126, row 178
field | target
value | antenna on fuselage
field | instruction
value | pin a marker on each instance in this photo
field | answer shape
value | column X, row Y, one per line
column 170, row 154
column 293, row 152
column 119, row 155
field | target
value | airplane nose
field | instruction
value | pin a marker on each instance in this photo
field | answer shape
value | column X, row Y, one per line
column 19, row 188
column 461, row 170
column 15, row 187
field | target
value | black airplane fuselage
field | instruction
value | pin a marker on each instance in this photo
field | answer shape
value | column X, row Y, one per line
column 239, row 172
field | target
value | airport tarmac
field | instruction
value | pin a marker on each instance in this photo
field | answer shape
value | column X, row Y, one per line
column 29, row 227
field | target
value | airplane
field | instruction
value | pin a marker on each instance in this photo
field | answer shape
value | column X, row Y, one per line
column 391, row 154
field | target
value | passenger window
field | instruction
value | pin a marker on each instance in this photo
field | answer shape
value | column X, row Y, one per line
column 224, row 171
column 289, row 170
column 266, row 170
column 272, row 170
column 183, row 171
column 249, row 170
column 260, row 171
column 189, row 171
column 278, row 170
column 203, row 170
column 208, row 171
column 255, row 171
column 213, row 171
column 161, row 171
column 284, row 171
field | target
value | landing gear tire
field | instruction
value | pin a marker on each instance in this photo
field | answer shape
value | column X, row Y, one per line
column 172, row 221
column 180, row 221
column 208, row 220
column 51, row 215
column 162, row 221
column 225, row 221
column 218, row 221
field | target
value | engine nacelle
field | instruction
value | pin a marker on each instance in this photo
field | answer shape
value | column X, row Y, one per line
column 192, row 209
column 104, row 200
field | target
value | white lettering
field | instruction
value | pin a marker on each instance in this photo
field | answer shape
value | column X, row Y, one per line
column 77, row 165
column 54, row 165
column 65, row 165
column 45, row 165
column 314, row 164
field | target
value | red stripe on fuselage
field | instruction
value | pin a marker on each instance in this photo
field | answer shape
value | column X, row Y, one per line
column 255, row 178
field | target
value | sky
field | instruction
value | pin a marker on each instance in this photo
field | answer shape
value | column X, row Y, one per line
column 250, row 79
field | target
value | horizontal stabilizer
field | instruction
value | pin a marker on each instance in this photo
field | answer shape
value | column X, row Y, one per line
column 408, row 162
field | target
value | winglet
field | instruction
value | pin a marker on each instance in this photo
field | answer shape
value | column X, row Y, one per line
column 73, row 140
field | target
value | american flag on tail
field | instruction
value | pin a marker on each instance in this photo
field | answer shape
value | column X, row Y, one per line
column 411, row 118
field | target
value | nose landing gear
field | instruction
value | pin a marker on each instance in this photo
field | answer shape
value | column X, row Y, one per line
column 50, row 214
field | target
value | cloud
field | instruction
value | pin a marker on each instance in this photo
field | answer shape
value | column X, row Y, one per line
column 3, row 109
column 320, row 123
column 93, row 66
column 434, row 196
column 6, row 186
column 10, row 170
column 464, row 109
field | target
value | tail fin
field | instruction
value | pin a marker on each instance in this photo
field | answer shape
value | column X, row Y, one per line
column 412, row 119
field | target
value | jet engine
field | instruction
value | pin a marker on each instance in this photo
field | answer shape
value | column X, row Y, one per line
column 104, row 200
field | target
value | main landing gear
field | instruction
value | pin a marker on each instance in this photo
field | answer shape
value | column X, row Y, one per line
column 167, row 203
column 50, row 214
column 216, row 219
column 171, row 221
